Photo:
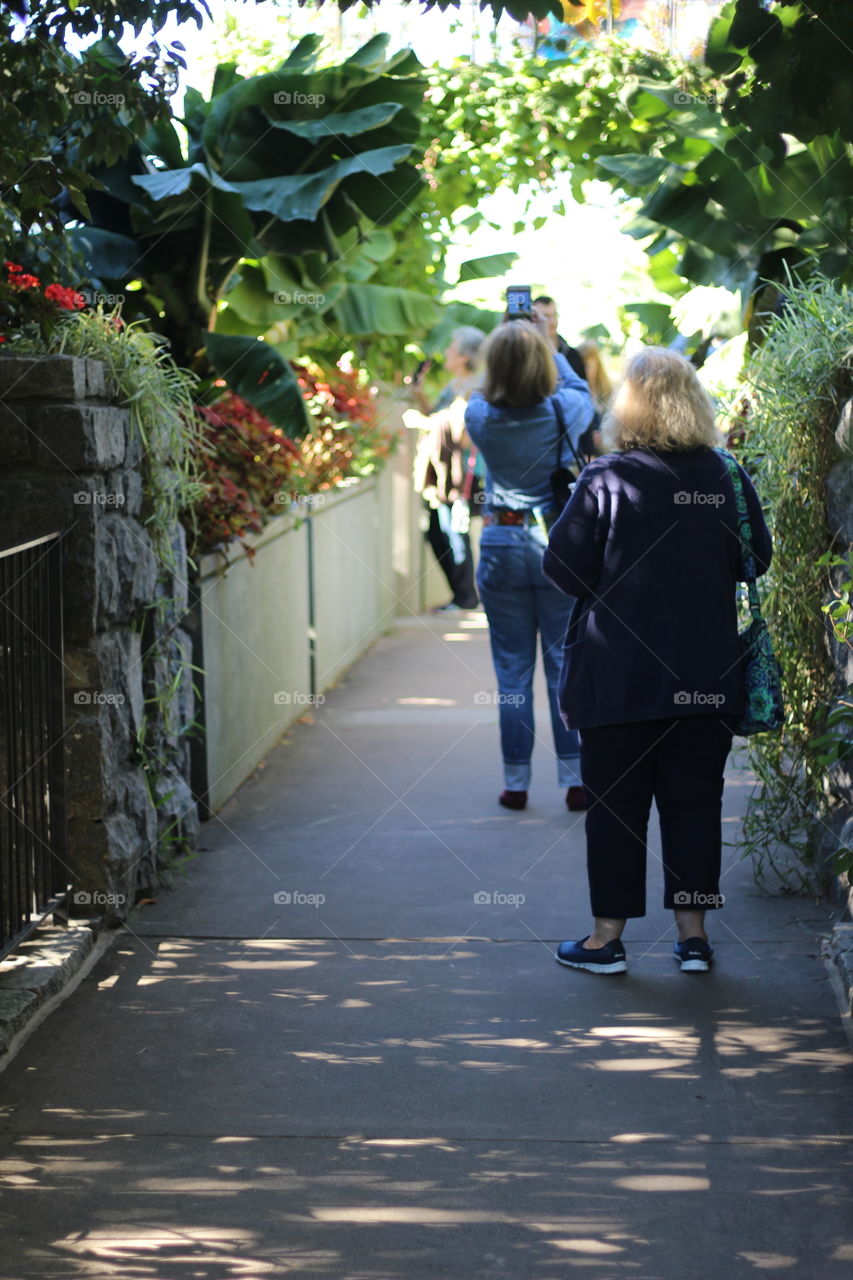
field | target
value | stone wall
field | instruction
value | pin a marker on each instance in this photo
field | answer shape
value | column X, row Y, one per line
column 69, row 462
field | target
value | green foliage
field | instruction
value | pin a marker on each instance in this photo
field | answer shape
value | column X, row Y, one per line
column 520, row 10
column 160, row 397
column 786, row 69
column 254, row 472
column 664, row 132
column 269, row 220
column 796, row 382
column 64, row 111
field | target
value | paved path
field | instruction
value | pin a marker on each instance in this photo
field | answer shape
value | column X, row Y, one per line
column 398, row 1081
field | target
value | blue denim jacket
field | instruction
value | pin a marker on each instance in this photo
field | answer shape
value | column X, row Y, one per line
column 520, row 445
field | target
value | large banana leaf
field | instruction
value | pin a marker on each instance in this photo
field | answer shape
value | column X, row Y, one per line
column 494, row 264
column 341, row 124
column 259, row 374
column 369, row 309
column 268, row 217
column 303, row 195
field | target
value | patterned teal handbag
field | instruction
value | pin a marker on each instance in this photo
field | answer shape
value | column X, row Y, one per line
column 762, row 675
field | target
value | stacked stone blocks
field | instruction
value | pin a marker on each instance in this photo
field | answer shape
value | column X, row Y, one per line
column 70, row 462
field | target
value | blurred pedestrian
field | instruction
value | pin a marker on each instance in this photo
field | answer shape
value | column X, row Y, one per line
column 649, row 547
column 547, row 309
column 445, row 469
column 596, row 375
column 527, row 421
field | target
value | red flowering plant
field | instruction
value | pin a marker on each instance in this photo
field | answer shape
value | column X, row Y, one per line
column 29, row 310
column 253, row 470
column 246, row 465
column 346, row 439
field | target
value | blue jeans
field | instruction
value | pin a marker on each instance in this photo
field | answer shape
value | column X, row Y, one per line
column 522, row 605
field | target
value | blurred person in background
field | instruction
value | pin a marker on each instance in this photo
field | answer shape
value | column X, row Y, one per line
column 446, row 466
column 547, row 308
column 530, row 412
column 649, row 547
column 600, row 386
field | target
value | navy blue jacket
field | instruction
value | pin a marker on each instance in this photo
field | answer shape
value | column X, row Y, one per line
column 648, row 543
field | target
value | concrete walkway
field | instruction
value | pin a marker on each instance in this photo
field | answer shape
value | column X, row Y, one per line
column 342, row 1048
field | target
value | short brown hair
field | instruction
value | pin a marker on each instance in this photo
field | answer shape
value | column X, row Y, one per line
column 520, row 369
column 661, row 404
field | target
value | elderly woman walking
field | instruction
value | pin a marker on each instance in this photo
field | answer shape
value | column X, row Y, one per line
column 531, row 412
column 649, row 547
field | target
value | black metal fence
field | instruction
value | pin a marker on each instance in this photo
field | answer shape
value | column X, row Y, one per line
column 33, row 870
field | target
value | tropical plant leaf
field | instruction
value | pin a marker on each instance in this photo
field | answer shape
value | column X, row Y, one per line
column 494, row 264
column 636, row 170
column 164, row 183
column 302, row 196
column 257, row 373
column 341, row 124
column 106, row 255
column 369, row 309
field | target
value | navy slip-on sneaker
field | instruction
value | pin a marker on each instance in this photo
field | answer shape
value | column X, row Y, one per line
column 694, row 955
column 607, row 959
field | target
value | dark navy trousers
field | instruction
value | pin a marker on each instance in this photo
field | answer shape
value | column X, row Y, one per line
column 677, row 762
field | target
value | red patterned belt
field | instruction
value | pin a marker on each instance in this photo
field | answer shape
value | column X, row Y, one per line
column 507, row 516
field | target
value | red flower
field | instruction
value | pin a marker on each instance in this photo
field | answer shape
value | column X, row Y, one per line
column 67, row 299
column 12, row 266
column 24, row 281
column 3, row 338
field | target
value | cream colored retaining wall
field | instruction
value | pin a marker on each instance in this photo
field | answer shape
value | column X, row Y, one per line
column 275, row 629
column 279, row 627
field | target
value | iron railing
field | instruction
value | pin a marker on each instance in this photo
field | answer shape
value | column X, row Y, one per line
column 33, row 867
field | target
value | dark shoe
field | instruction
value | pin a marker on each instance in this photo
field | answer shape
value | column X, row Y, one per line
column 607, row 959
column 513, row 799
column 694, row 955
column 576, row 799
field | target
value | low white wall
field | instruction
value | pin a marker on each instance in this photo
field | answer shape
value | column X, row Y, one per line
column 353, row 588
column 419, row 584
column 280, row 626
column 254, row 651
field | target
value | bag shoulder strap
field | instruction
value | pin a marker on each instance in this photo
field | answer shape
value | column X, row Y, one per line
column 562, row 434
column 745, row 531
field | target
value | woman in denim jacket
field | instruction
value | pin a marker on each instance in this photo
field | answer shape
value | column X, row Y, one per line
column 514, row 423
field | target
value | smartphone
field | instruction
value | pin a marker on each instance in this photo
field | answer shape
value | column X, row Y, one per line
column 518, row 303
column 415, row 379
